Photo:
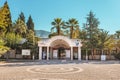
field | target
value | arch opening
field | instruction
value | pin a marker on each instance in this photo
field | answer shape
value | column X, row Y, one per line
column 60, row 49
column 59, row 43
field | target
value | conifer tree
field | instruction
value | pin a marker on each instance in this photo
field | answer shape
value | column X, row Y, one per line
column 91, row 28
column 2, row 28
column 20, row 28
column 30, row 23
column 22, row 17
column 5, row 17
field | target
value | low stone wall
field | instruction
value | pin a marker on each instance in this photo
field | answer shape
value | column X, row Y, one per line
column 11, row 54
column 98, row 57
column 19, row 56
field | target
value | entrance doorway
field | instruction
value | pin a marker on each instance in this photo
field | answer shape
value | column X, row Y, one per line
column 61, row 53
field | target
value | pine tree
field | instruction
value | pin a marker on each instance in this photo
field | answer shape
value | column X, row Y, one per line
column 30, row 23
column 91, row 27
column 2, row 28
column 22, row 17
column 20, row 28
column 5, row 17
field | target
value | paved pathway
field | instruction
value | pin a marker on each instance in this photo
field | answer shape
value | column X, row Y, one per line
column 60, row 70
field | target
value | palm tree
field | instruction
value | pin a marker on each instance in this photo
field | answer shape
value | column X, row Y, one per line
column 103, row 38
column 73, row 25
column 58, row 24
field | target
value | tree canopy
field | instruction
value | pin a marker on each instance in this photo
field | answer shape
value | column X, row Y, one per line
column 30, row 23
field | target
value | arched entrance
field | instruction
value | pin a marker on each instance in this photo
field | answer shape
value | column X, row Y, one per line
column 59, row 47
column 61, row 53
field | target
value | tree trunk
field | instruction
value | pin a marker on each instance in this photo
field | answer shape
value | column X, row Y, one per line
column 7, row 55
column 102, row 52
column 110, row 54
column 71, row 33
column 92, row 53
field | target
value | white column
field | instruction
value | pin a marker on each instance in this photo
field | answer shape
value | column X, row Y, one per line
column 40, row 53
column 51, row 53
column 47, row 53
column 79, row 53
column 71, row 53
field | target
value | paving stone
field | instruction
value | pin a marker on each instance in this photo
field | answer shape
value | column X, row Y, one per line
column 54, row 70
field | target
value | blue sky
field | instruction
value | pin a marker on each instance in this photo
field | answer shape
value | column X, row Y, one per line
column 44, row 11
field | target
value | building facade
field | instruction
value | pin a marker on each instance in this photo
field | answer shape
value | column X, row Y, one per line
column 59, row 47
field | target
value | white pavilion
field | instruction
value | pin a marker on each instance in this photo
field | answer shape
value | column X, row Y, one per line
column 59, row 47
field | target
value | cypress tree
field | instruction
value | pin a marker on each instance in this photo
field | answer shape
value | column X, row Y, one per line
column 91, row 28
column 20, row 28
column 30, row 23
column 22, row 17
column 5, row 17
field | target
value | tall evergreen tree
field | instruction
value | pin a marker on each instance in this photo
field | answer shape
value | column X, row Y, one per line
column 20, row 28
column 91, row 27
column 22, row 17
column 30, row 23
column 2, row 28
column 5, row 17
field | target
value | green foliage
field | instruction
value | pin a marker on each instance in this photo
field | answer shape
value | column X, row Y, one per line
column 117, row 56
column 31, row 43
column 103, row 38
column 20, row 28
column 5, row 18
column 30, row 37
column 117, row 34
column 105, row 41
column 22, row 17
column 74, row 27
column 91, row 28
column 57, row 24
column 117, row 40
column 3, row 49
column 30, row 23
column 2, row 43
column 118, row 45
column 110, row 44
column 12, row 40
column 91, row 36
column 66, row 32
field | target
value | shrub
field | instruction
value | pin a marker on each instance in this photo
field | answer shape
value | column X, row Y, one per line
column 117, row 56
